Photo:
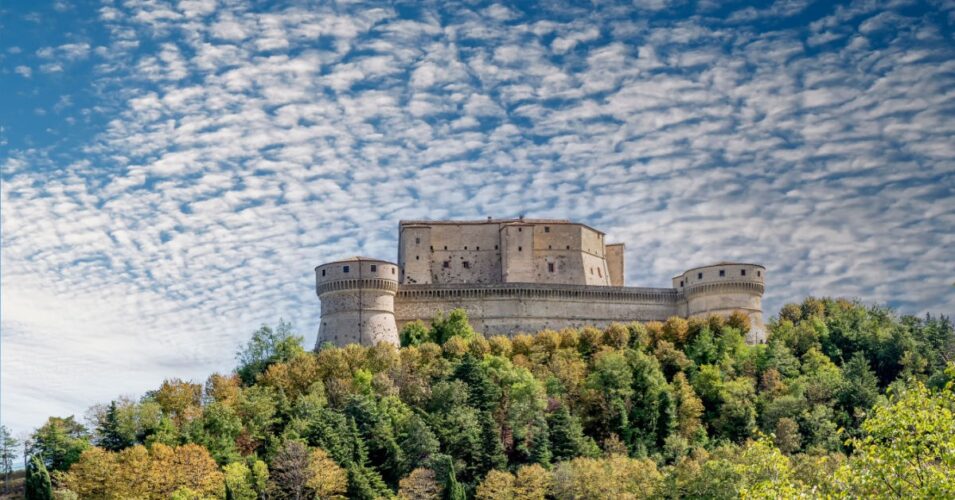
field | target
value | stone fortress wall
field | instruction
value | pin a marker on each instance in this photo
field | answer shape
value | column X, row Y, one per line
column 516, row 275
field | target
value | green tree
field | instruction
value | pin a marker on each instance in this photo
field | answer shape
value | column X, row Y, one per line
column 455, row 324
column 8, row 453
column 38, row 485
column 267, row 346
column 414, row 334
column 110, row 434
column 59, row 442
column 907, row 449
column 566, row 435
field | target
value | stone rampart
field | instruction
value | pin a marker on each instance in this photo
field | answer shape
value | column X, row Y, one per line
column 529, row 307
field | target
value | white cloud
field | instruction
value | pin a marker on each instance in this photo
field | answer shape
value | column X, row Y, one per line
column 23, row 71
column 249, row 146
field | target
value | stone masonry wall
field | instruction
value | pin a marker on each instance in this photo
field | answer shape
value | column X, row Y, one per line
column 509, row 309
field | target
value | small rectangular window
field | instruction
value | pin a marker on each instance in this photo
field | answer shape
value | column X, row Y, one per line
column 495, row 247
column 681, row 284
column 392, row 270
column 549, row 247
column 417, row 240
column 432, row 248
column 467, row 265
column 447, row 264
column 519, row 230
column 759, row 273
column 699, row 276
column 323, row 272
column 477, row 248
column 722, row 273
column 550, row 267
column 417, row 257
column 345, row 269
column 465, row 248
column 445, row 247
column 568, row 247
column 742, row 272
column 520, row 249
column 374, row 268
column 546, row 229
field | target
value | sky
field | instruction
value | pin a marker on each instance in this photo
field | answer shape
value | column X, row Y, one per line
column 172, row 171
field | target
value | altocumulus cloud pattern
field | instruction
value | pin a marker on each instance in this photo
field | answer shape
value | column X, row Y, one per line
column 172, row 171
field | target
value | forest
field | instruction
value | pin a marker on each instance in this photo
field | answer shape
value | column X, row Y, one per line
column 844, row 399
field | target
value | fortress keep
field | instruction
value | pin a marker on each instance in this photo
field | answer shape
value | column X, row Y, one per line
column 516, row 275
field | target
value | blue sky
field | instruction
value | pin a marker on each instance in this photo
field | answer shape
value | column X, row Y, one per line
column 173, row 171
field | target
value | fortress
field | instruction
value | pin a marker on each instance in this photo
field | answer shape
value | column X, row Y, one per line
column 516, row 275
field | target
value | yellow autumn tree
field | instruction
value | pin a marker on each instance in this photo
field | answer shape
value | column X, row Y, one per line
column 326, row 478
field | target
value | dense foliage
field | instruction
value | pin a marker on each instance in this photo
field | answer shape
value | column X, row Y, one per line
column 844, row 400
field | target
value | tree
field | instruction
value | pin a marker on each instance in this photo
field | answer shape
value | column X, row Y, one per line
column 8, row 453
column 414, row 334
column 38, row 485
column 93, row 475
column 421, row 484
column 110, row 434
column 616, row 476
column 59, row 442
column 290, row 471
column 532, row 482
column 566, row 435
column 689, row 408
column 326, row 478
column 493, row 456
column 455, row 324
column 497, row 485
column 239, row 481
column 266, row 347
column 907, row 449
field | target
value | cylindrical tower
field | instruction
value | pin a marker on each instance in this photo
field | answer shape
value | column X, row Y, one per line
column 358, row 301
column 723, row 289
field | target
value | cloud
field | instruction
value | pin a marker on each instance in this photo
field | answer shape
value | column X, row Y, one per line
column 23, row 71
column 240, row 145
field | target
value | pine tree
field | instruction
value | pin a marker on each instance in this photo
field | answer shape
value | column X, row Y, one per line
column 493, row 449
column 540, row 452
column 443, row 468
column 566, row 435
column 38, row 485
column 110, row 437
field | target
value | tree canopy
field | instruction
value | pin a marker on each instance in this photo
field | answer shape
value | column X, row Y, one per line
column 844, row 400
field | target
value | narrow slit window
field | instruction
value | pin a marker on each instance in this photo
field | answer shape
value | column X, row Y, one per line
column 681, row 284
column 568, row 247
column 445, row 247
column 599, row 273
column 519, row 249
column 417, row 257
column 550, row 267
column 323, row 272
column 495, row 247
column 699, row 276
column 392, row 270
column 759, row 273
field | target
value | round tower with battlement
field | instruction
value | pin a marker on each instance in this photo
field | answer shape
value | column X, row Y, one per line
column 723, row 289
column 358, row 301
